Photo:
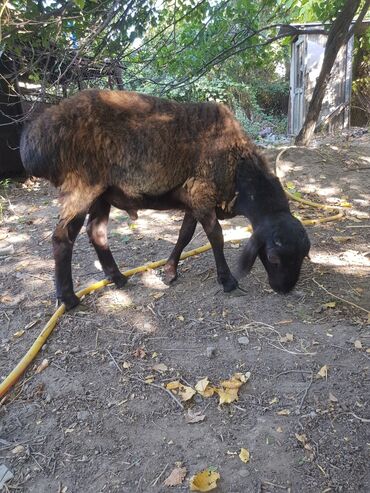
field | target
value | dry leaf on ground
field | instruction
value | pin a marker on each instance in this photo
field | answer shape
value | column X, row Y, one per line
column 183, row 391
column 204, row 481
column 176, row 477
column 228, row 392
column 244, row 455
column 204, row 389
column 358, row 344
column 323, row 372
column 192, row 417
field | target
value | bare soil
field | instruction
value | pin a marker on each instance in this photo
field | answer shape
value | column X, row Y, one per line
column 97, row 419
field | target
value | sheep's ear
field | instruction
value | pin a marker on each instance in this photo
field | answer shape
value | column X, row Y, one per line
column 249, row 254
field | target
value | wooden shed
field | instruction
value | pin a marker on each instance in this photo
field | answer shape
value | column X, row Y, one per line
column 306, row 61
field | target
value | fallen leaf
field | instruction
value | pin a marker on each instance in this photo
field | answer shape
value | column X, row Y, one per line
column 227, row 396
column 194, row 417
column 342, row 239
column 160, row 367
column 331, row 304
column 183, row 391
column 180, row 317
column 19, row 333
column 358, row 344
column 279, row 429
column 173, row 385
column 283, row 412
column 204, row 389
column 244, row 455
column 287, row 338
column 149, row 379
column 126, row 365
column 323, row 373
column 204, row 481
column 176, row 477
column 139, row 353
column 290, row 185
column 301, row 438
column 228, row 392
column 275, row 400
column 344, row 203
column 44, row 364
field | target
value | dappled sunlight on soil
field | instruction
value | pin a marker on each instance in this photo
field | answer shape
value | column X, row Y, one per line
column 99, row 418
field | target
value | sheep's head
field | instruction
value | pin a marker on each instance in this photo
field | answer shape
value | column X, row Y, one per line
column 281, row 242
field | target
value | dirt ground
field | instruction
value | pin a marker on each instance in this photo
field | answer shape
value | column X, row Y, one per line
column 98, row 419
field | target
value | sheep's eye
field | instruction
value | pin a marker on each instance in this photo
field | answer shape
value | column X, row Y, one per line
column 278, row 242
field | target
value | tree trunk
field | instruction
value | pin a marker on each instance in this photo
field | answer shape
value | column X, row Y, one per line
column 338, row 35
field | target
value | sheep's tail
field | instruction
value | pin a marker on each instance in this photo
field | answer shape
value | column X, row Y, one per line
column 37, row 154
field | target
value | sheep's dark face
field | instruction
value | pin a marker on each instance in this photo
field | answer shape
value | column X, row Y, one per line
column 281, row 243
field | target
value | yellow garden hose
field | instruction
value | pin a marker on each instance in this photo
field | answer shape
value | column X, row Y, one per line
column 31, row 354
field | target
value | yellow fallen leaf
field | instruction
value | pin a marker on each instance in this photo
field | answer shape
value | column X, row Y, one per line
column 228, row 392
column 176, row 477
column 331, row 304
column 244, row 455
column 204, row 481
column 344, row 203
column 173, row 385
column 149, row 379
column 283, row 412
column 204, row 389
column 227, row 396
column 183, row 391
column 323, row 373
column 342, row 239
column 358, row 344
column 186, row 393
column 290, row 185
column 275, row 400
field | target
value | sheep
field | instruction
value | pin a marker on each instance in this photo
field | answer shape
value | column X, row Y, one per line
column 135, row 151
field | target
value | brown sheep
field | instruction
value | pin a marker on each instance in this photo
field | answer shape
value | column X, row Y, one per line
column 134, row 151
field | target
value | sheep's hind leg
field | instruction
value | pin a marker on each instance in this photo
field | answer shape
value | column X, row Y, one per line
column 97, row 231
column 63, row 240
column 186, row 233
column 214, row 233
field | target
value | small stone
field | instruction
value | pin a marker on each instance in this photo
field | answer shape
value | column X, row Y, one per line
column 244, row 340
column 211, row 352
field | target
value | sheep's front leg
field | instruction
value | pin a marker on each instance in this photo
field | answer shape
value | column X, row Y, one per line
column 186, row 233
column 63, row 239
column 97, row 231
column 214, row 233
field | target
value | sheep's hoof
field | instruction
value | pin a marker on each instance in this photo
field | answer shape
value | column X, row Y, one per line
column 119, row 280
column 230, row 284
column 170, row 273
column 70, row 301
